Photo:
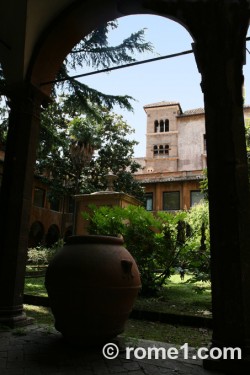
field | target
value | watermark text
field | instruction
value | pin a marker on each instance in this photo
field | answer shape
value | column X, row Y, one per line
column 111, row 351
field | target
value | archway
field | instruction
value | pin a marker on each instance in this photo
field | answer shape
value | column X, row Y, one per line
column 36, row 234
column 52, row 235
column 219, row 30
column 68, row 232
column 47, row 60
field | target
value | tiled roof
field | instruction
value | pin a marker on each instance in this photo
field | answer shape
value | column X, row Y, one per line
column 190, row 112
column 195, row 111
column 161, row 104
column 198, row 111
column 150, row 180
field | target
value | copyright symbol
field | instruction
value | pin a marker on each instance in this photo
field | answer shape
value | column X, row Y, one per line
column 110, row 351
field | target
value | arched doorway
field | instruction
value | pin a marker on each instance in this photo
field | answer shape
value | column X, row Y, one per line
column 68, row 232
column 52, row 235
column 36, row 234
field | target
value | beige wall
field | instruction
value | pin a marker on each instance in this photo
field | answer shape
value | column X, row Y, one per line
column 185, row 138
column 182, row 169
column 162, row 162
column 191, row 142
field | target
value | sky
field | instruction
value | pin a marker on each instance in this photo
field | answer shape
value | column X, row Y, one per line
column 175, row 79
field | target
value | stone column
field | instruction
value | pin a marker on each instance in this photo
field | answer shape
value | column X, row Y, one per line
column 219, row 52
column 15, row 198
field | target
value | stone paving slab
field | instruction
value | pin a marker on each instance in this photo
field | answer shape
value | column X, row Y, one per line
column 38, row 350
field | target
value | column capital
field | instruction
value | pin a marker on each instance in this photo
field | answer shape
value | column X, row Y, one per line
column 222, row 37
column 20, row 92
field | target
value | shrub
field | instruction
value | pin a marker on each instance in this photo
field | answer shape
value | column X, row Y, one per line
column 41, row 255
column 159, row 243
column 196, row 256
column 38, row 256
column 153, row 241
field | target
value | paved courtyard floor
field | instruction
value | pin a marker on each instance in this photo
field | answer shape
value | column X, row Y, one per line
column 41, row 350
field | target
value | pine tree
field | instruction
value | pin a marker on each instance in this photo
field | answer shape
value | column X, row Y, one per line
column 94, row 51
column 62, row 139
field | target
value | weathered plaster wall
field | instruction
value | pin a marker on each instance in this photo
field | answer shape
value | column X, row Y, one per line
column 191, row 142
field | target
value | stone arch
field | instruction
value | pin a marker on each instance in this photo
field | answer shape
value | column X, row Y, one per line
column 68, row 232
column 47, row 59
column 36, row 234
column 52, row 235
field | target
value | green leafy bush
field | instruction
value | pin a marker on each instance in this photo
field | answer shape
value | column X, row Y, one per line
column 41, row 255
column 196, row 256
column 38, row 256
column 160, row 244
column 154, row 241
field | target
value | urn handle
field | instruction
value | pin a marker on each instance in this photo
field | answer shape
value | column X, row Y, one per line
column 127, row 266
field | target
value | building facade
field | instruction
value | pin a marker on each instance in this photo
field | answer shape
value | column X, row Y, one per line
column 48, row 221
column 176, row 156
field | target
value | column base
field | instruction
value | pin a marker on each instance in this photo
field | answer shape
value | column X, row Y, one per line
column 15, row 317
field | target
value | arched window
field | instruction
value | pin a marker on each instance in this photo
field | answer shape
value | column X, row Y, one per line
column 156, row 126
column 52, row 235
column 166, row 149
column 166, row 125
column 161, row 126
column 36, row 234
column 161, row 149
column 68, row 232
column 155, row 150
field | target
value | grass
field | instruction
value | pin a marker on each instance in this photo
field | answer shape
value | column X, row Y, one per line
column 42, row 315
column 176, row 297
column 172, row 334
column 35, row 286
column 179, row 297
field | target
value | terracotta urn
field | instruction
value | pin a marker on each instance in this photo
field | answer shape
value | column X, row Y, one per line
column 92, row 284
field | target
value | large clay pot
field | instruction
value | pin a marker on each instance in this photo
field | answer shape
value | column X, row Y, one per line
column 92, row 284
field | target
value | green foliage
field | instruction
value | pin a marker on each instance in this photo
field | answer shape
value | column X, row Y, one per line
column 247, row 129
column 141, row 240
column 41, row 255
column 66, row 146
column 204, row 185
column 159, row 243
column 62, row 161
column 116, row 155
column 196, row 256
column 84, row 152
column 4, row 113
column 153, row 241
column 38, row 256
column 178, row 297
column 96, row 52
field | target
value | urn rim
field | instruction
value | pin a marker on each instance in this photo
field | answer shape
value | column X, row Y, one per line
column 89, row 239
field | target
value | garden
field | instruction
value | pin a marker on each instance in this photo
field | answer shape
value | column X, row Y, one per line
column 172, row 254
